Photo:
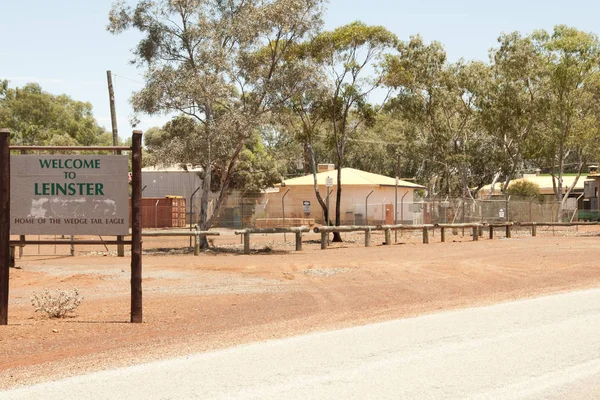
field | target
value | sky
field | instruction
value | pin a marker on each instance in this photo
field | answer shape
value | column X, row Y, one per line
column 64, row 46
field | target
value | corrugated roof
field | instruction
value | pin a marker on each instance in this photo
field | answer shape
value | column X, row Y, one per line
column 543, row 181
column 351, row 176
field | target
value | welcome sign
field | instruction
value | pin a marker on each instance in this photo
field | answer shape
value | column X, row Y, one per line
column 69, row 195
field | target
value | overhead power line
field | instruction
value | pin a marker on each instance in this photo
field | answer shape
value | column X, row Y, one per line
column 127, row 79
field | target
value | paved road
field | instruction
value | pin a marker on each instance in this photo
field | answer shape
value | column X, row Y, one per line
column 545, row 348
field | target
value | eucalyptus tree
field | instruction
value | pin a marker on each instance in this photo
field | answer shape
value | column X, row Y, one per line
column 257, row 167
column 36, row 117
column 225, row 64
column 510, row 103
column 571, row 119
column 304, row 118
column 438, row 100
column 349, row 58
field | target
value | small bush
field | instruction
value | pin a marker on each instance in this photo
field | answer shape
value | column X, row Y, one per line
column 523, row 188
column 56, row 304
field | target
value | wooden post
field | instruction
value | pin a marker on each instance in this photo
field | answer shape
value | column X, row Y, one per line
column 12, row 257
column 324, row 240
column 115, row 136
column 22, row 237
column 388, row 237
column 197, row 243
column 475, row 233
column 298, row 241
column 136, row 228
column 491, row 232
column 533, row 229
column 4, row 223
column 368, row 238
column 442, row 234
column 425, row 235
column 508, row 233
column 246, row 243
column 113, row 112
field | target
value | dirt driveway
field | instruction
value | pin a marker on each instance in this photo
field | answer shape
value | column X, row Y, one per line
column 223, row 298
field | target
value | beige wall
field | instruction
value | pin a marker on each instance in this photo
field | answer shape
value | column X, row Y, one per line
column 352, row 204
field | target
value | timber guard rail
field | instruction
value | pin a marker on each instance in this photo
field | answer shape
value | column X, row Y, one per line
column 298, row 231
column 477, row 229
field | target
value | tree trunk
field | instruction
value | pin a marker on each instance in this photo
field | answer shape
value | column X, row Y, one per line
column 313, row 166
column 559, row 184
column 337, row 237
column 203, row 222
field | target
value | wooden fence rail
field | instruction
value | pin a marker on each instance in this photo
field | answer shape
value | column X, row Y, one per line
column 506, row 225
column 389, row 228
column 251, row 231
column 476, row 227
column 326, row 230
column 197, row 234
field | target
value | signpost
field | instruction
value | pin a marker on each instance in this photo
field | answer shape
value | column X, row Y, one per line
column 4, row 223
column 306, row 206
column 69, row 195
column 72, row 194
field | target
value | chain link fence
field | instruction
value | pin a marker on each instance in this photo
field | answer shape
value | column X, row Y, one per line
column 496, row 210
column 242, row 211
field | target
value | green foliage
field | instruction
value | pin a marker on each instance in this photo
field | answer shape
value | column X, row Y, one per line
column 338, row 45
column 257, row 169
column 226, row 65
column 437, row 101
column 39, row 118
column 345, row 58
column 180, row 141
column 523, row 188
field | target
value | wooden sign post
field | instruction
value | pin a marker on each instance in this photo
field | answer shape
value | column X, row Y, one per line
column 93, row 199
column 4, row 223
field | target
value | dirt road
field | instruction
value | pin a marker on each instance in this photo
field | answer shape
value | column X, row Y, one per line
column 220, row 299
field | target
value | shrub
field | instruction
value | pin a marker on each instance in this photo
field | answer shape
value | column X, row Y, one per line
column 523, row 188
column 56, row 304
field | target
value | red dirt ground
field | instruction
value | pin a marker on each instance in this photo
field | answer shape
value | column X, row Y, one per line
column 223, row 298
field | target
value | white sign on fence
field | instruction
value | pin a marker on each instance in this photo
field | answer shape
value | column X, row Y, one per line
column 329, row 181
column 306, row 205
column 69, row 195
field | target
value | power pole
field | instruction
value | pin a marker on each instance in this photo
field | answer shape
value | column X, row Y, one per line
column 113, row 112
column 115, row 133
